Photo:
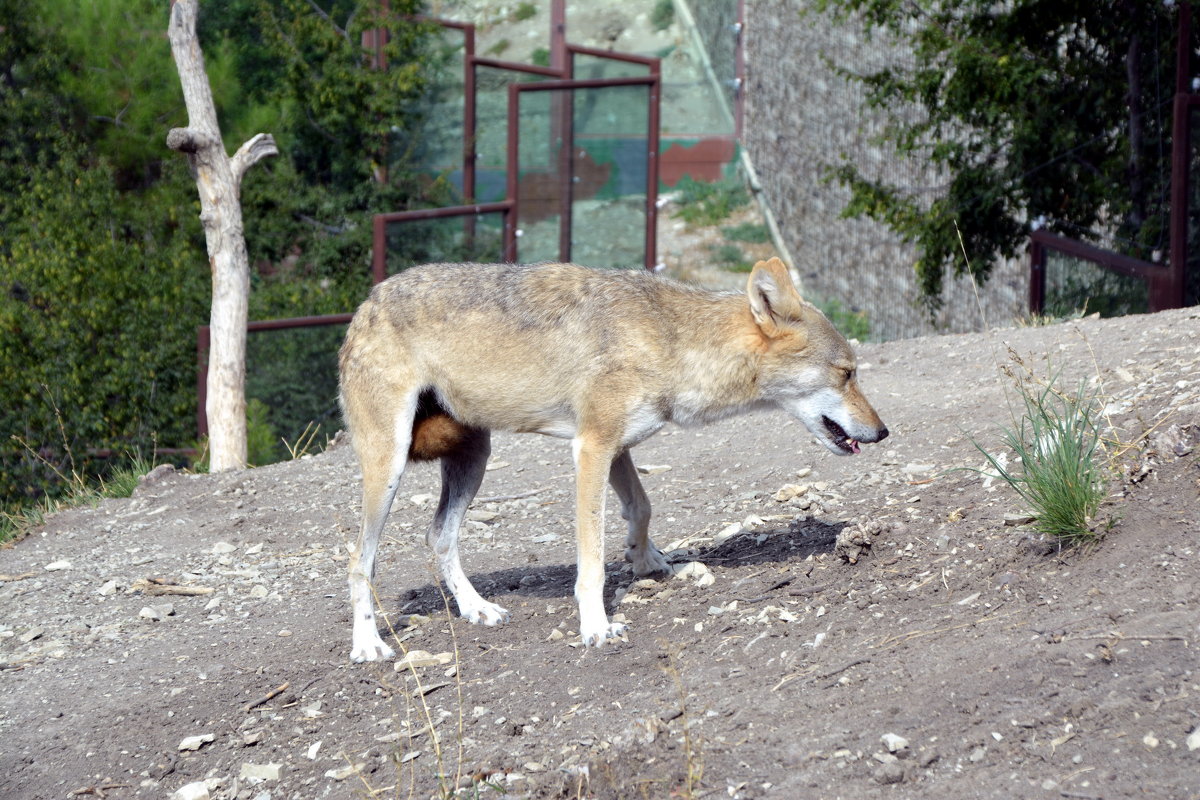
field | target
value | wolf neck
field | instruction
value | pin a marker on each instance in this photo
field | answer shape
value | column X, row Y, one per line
column 718, row 361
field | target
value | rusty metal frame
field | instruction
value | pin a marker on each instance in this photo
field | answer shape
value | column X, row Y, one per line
column 1041, row 242
column 380, row 222
column 1170, row 291
column 559, row 79
column 653, row 82
column 203, row 342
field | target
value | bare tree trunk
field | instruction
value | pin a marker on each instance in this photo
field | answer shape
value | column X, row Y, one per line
column 219, row 180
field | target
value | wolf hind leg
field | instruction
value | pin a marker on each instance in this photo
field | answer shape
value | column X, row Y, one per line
column 635, row 509
column 462, row 474
column 383, row 456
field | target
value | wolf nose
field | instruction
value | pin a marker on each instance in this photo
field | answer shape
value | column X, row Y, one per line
column 883, row 434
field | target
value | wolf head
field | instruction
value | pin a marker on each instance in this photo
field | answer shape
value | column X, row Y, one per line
column 808, row 368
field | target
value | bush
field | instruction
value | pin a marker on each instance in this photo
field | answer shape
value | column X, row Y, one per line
column 97, row 325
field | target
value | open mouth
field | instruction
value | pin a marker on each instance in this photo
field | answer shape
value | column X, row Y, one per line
column 839, row 437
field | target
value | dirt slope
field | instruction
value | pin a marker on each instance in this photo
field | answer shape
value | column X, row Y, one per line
column 1009, row 669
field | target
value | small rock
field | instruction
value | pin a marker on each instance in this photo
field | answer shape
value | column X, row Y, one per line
column 108, row 588
column 692, row 569
column 260, row 772
column 58, row 566
column 977, row 754
column 1013, row 520
column 156, row 475
column 727, row 533
column 199, row 790
column 889, row 773
column 852, row 541
column 422, row 658
column 196, row 742
column 653, row 469
column 344, row 772
column 893, row 742
column 1193, row 739
column 222, row 548
column 258, row 591
column 31, row 634
column 1150, row 740
column 420, row 499
column 790, row 490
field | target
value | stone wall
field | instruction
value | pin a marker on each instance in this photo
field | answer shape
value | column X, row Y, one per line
column 801, row 116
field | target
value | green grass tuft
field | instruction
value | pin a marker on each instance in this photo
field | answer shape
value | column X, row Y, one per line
column 662, row 16
column 524, row 11
column 749, row 232
column 703, row 203
column 1059, row 474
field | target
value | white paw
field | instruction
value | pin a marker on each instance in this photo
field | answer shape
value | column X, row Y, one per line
column 369, row 648
column 647, row 561
column 597, row 637
column 484, row 613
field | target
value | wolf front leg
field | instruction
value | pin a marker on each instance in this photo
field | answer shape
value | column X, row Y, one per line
column 593, row 457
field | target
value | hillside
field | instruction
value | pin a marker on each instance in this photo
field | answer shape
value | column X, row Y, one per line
column 779, row 669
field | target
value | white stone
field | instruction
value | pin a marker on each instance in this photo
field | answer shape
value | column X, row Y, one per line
column 199, row 790
column 57, row 566
column 422, row 658
column 260, row 772
column 1193, row 740
column 727, row 533
column 196, row 742
column 344, row 772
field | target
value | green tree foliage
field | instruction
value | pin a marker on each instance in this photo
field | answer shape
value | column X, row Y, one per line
column 1051, row 109
column 103, row 272
column 97, row 325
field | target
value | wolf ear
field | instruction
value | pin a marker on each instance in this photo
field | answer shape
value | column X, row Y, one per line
column 773, row 297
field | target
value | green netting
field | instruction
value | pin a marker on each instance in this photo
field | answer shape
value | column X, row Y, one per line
column 477, row 237
column 291, row 389
column 1074, row 286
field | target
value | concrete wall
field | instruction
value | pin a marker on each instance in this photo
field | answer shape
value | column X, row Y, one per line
column 800, row 118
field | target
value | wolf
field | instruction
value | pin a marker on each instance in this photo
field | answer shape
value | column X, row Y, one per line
column 441, row 355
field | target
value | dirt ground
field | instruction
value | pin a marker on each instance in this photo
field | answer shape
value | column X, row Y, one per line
column 958, row 657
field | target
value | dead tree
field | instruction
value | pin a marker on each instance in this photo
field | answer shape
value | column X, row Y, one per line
column 218, row 179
